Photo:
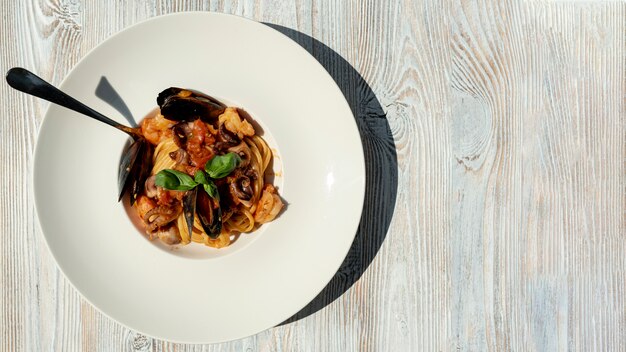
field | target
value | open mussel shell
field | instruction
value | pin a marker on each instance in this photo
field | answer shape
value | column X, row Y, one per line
column 198, row 202
column 128, row 160
column 189, row 208
column 134, row 169
column 209, row 213
column 179, row 104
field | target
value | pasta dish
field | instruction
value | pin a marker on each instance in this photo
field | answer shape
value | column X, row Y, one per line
column 207, row 177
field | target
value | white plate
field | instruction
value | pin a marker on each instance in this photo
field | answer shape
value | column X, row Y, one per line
column 202, row 295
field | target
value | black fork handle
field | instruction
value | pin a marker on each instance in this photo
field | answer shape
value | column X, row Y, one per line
column 29, row 83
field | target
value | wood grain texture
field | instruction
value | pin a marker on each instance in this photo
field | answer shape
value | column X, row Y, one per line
column 508, row 227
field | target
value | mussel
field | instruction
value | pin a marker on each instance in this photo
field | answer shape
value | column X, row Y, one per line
column 189, row 208
column 179, row 104
column 210, row 214
column 134, row 168
column 198, row 202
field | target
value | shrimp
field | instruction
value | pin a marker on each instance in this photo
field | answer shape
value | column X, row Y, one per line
column 268, row 206
column 235, row 124
column 144, row 205
column 156, row 129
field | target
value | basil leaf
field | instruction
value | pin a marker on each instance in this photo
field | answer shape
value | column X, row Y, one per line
column 208, row 184
column 174, row 180
column 201, row 177
column 222, row 165
column 211, row 190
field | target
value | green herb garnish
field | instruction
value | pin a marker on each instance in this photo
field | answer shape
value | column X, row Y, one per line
column 218, row 167
column 222, row 165
column 209, row 186
column 175, row 180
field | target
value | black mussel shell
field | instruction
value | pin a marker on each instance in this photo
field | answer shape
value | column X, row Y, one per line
column 179, row 104
column 126, row 164
column 169, row 92
column 189, row 208
column 210, row 217
column 134, row 169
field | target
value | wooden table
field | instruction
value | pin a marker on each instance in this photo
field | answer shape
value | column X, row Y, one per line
column 494, row 138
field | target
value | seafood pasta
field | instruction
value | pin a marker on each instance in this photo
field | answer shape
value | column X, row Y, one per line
column 206, row 183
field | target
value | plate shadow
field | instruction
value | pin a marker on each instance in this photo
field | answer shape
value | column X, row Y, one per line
column 381, row 170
